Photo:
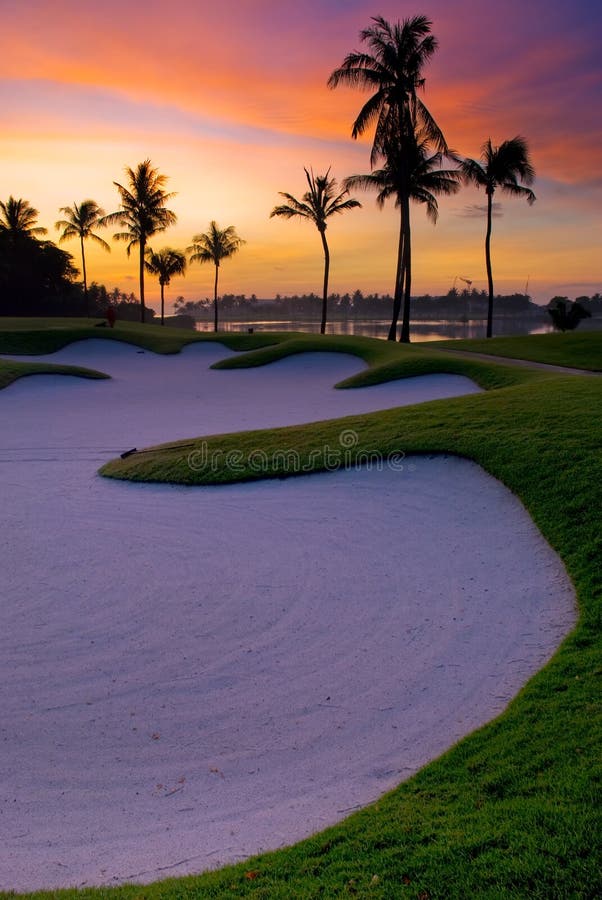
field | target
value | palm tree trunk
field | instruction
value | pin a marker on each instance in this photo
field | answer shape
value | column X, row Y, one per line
column 488, row 263
column 215, row 298
column 142, row 307
column 81, row 239
column 162, row 304
column 399, row 278
column 407, row 253
column 325, row 288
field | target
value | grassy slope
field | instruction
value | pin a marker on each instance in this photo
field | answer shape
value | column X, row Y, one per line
column 39, row 336
column 512, row 810
column 36, row 337
column 10, row 371
column 581, row 350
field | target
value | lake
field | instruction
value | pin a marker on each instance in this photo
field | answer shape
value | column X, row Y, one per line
column 379, row 328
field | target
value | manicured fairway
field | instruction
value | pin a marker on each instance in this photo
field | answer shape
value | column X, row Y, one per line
column 578, row 349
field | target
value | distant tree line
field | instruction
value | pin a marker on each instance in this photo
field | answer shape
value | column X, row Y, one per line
column 126, row 306
column 455, row 305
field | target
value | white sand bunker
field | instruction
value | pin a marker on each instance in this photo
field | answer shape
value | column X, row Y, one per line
column 190, row 676
column 152, row 398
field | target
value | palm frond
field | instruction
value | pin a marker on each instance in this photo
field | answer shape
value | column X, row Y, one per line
column 100, row 241
column 371, row 111
column 339, row 205
column 69, row 230
column 114, row 218
column 433, row 131
column 517, row 190
column 421, row 195
column 292, row 207
column 377, row 180
column 473, row 172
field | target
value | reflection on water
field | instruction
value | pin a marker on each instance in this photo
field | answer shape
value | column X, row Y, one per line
column 420, row 331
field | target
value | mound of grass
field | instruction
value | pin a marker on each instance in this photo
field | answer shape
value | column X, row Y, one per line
column 289, row 343
column 424, row 362
column 385, row 360
column 10, row 371
column 579, row 350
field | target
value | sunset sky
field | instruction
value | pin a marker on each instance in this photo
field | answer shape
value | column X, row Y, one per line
column 229, row 100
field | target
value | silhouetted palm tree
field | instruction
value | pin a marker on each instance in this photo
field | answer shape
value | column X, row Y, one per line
column 393, row 70
column 80, row 220
column 499, row 167
column 142, row 212
column 423, row 177
column 318, row 203
column 165, row 264
column 213, row 246
column 18, row 219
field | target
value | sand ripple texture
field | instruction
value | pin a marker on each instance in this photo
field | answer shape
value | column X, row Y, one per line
column 190, row 676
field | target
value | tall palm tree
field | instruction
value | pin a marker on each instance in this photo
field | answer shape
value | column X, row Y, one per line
column 142, row 214
column 424, row 178
column 18, row 219
column 499, row 167
column 165, row 264
column 393, row 69
column 317, row 205
column 211, row 247
column 79, row 221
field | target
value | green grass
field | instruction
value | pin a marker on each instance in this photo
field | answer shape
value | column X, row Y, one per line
column 10, row 371
column 385, row 361
column 513, row 810
column 37, row 337
column 579, row 350
column 33, row 337
column 289, row 343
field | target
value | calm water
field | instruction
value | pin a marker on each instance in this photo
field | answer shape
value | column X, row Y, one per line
column 420, row 331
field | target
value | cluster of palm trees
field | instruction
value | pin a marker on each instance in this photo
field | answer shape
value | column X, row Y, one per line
column 410, row 162
column 408, row 153
column 409, row 148
column 142, row 214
